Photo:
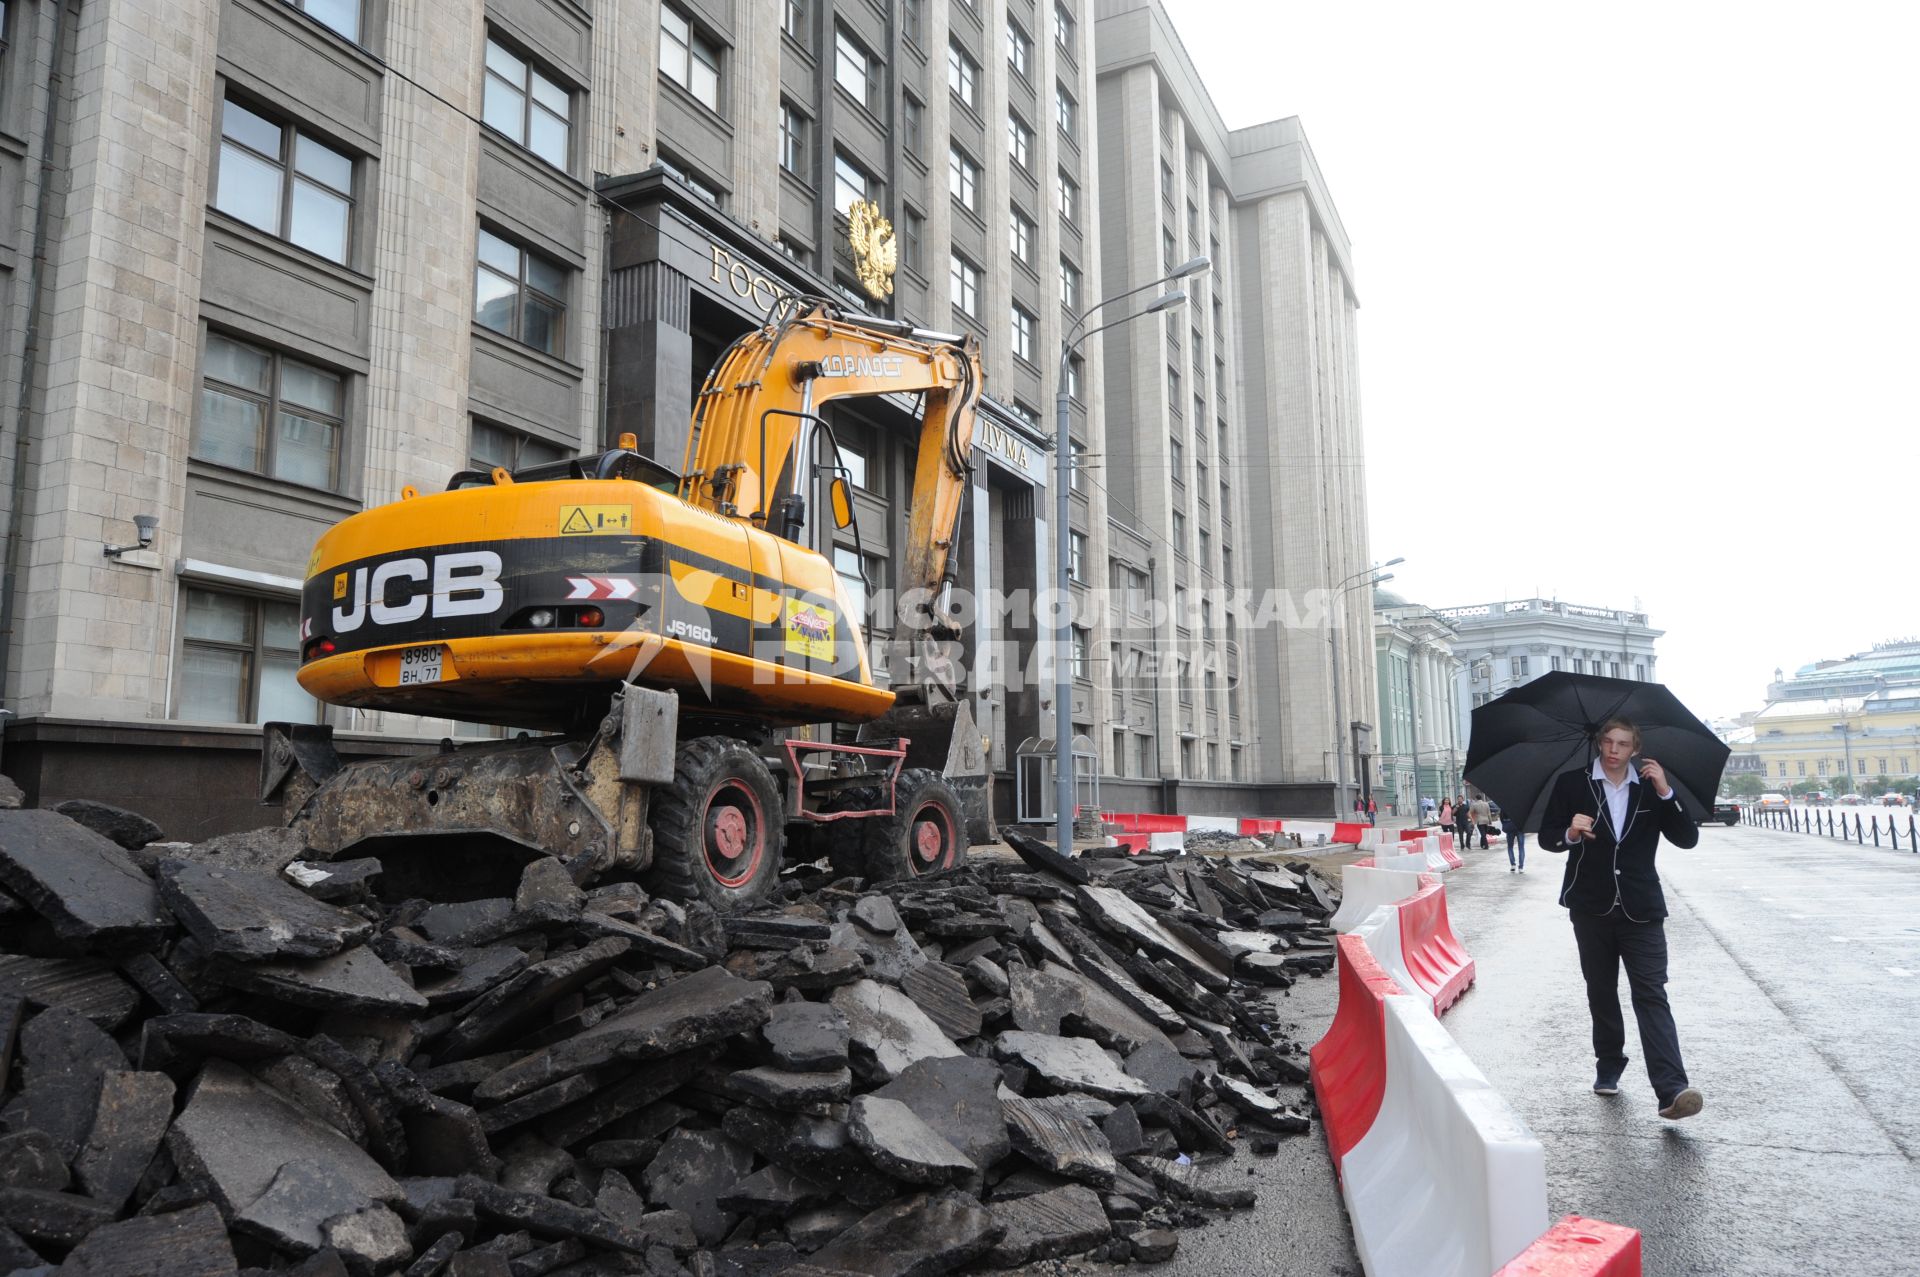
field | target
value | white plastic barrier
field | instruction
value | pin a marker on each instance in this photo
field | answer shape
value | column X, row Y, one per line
column 1312, row 832
column 1381, row 931
column 1166, row 842
column 1213, row 824
column 1362, row 890
column 1447, row 1181
column 1401, row 864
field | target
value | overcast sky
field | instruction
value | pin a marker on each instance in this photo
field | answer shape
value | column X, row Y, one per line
column 1640, row 304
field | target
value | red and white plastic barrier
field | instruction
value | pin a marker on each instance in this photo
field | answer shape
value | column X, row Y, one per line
column 1413, row 941
column 1579, row 1247
column 1349, row 1064
column 1446, row 1181
column 1364, row 889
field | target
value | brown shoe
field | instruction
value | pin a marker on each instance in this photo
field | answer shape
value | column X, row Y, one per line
column 1685, row 1104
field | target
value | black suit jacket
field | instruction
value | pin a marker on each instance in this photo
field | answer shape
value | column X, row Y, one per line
column 1608, row 865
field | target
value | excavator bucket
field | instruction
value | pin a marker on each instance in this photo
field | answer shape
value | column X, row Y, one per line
column 943, row 737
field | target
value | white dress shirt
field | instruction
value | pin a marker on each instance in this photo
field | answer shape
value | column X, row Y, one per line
column 1617, row 795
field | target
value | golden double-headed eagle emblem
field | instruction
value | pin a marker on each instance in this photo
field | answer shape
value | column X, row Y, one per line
column 875, row 251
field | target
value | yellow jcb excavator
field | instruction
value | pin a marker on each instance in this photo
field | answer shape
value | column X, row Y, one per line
column 661, row 627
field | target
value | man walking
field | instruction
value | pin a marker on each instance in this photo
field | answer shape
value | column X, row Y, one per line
column 1482, row 820
column 1516, row 843
column 1610, row 820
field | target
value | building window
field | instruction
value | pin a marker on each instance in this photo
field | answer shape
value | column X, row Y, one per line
column 913, row 232
column 1065, row 109
column 1067, row 199
column 1859, row 767
column 1206, row 549
column 1800, row 767
column 850, row 183
column 1077, row 557
column 264, row 412
column 910, row 24
column 1881, row 765
column 1553, row 662
column 1180, row 533
column 793, row 140
column 913, row 122
column 1069, row 285
column 1019, row 49
column 238, row 656
column 1639, row 673
column 793, row 19
column 963, row 179
column 687, row 58
column 1167, row 248
column 1020, row 142
column 536, row 112
column 1173, row 390
column 341, row 15
column 1520, row 667
column 1080, row 658
column 963, row 285
column 489, row 446
column 1063, row 27
column 846, row 565
column 284, row 181
column 1077, row 464
column 1022, row 231
column 1022, row 335
column 1177, row 454
column 520, row 294
column 853, row 69
column 1823, row 767
column 963, row 76
column 1119, row 751
column 1613, row 669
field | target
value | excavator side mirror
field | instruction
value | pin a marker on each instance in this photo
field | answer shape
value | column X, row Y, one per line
column 842, row 497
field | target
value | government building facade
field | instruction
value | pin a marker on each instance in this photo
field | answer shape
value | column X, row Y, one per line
column 265, row 263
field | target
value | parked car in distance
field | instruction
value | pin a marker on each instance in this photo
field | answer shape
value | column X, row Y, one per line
column 1772, row 802
column 1726, row 811
column 1852, row 800
column 1817, row 798
column 1893, row 800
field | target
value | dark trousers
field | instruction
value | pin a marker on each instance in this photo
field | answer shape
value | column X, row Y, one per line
column 1516, row 846
column 1607, row 942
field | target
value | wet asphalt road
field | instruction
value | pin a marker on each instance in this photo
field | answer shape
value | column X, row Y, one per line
column 1794, row 973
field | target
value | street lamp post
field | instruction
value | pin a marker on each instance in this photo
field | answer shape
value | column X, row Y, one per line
column 1076, row 334
column 1846, row 741
column 1333, row 655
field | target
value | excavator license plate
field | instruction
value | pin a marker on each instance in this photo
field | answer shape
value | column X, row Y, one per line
column 421, row 665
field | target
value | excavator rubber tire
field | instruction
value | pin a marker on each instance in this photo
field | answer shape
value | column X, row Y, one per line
column 717, row 829
column 926, row 833
column 846, row 840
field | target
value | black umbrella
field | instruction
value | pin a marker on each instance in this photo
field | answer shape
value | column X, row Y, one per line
column 1526, row 737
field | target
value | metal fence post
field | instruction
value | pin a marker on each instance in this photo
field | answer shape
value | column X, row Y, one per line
column 1876, row 830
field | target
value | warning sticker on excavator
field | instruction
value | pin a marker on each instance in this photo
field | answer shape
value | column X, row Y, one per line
column 809, row 631
column 591, row 520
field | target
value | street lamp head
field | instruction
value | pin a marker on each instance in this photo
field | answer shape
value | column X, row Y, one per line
column 1390, row 562
column 1198, row 266
column 1177, row 297
column 1384, row 576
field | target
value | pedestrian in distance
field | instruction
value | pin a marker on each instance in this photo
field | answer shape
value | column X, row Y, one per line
column 1446, row 815
column 1373, row 813
column 1482, row 817
column 1609, row 820
column 1516, row 843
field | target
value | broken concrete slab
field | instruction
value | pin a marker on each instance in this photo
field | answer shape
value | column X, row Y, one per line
column 1068, row 1064
column 773, row 1192
column 548, row 1217
column 292, row 1213
column 548, row 892
column 86, row 887
column 1060, row 1140
column 249, row 914
column 448, row 923
column 479, row 970
column 237, row 1135
column 133, row 1114
column 182, row 1243
column 513, row 1004
column 129, row 829
column 370, row 1239
column 792, row 1090
column 29, row 1159
column 356, row 980
column 1115, row 913
column 818, row 1147
column 336, row 881
column 903, row 1146
column 886, row 956
column 691, row 1011
column 941, row 992
column 774, row 931
column 58, row 1219
column 957, row 1096
column 1163, row 1069
column 888, row 1031
column 803, row 968
column 1065, row 1221
column 1042, row 856
column 63, row 1058
column 90, row 987
column 919, row 1235
column 692, row 1171
column 876, row 914
column 806, row 1035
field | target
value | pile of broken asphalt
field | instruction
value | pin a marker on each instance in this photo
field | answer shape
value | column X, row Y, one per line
column 222, row 1058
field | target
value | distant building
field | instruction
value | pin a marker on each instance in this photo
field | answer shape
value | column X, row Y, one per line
column 1420, row 747
column 1874, row 739
column 1509, row 643
column 1883, row 667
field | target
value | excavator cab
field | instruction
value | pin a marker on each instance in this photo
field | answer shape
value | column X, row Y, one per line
column 662, row 629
